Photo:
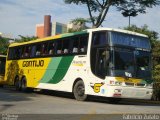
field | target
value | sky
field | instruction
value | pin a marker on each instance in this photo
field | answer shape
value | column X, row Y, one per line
column 19, row 17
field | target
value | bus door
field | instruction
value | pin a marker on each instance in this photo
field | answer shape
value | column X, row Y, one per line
column 100, row 62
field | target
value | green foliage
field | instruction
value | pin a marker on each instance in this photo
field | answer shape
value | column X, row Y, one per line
column 25, row 39
column 4, row 42
column 99, row 8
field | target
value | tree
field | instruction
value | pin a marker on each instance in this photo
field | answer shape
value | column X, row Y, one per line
column 4, row 42
column 79, row 23
column 25, row 38
column 100, row 7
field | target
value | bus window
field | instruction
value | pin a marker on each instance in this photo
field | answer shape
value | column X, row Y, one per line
column 59, row 47
column 100, row 38
column 51, row 48
column 38, row 50
column 75, row 45
column 27, row 51
column 18, row 52
column 83, row 44
column 33, row 51
column 66, row 46
column 44, row 50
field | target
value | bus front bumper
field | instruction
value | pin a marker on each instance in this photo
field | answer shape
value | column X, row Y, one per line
column 129, row 92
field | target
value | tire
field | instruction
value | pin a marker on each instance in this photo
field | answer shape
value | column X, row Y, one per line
column 24, row 85
column 79, row 91
column 114, row 100
column 17, row 84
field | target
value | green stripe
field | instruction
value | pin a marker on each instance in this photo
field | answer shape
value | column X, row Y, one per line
column 57, row 69
column 51, row 69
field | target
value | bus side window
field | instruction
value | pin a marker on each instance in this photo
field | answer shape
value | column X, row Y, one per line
column 10, row 54
column 51, row 48
column 100, row 38
column 83, row 44
column 17, row 51
column 38, row 50
column 75, row 45
column 27, row 51
column 33, row 51
column 44, row 50
column 59, row 47
column 66, row 45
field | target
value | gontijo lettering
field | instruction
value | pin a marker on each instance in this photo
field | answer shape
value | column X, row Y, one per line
column 33, row 63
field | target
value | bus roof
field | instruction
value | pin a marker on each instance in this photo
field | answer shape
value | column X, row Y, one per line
column 77, row 33
column 118, row 30
column 48, row 38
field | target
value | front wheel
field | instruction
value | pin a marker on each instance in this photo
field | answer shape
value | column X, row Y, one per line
column 79, row 91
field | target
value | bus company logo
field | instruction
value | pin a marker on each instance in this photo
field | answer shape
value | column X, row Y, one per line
column 78, row 63
column 33, row 63
column 97, row 87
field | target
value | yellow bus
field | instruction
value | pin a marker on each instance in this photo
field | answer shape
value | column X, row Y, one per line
column 106, row 62
column 2, row 69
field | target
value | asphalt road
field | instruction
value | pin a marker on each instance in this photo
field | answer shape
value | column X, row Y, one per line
column 64, row 106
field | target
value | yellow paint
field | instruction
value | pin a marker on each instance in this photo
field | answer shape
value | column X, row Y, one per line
column 33, row 74
column 130, row 80
column 97, row 87
column 80, row 64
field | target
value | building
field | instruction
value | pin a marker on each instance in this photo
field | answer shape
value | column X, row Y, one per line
column 40, row 30
column 49, row 28
column 58, row 28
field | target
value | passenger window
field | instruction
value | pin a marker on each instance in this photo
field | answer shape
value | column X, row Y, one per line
column 66, row 46
column 44, row 50
column 38, row 50
column 27, row 51
column 59, row 47
column 51, row 48
column 33, row 51
column 75, row 45
column 83, row 44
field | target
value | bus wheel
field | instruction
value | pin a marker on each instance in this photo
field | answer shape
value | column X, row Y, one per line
column 79, row 91
column 24, row 85
column 17, row 84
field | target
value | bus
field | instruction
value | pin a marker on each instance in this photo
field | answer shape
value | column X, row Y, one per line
column 105, row 62
column 2, row 69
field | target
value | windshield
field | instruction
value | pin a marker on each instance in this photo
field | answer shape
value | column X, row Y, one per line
column 143, row 66
column 131, row 63
column 124, row 63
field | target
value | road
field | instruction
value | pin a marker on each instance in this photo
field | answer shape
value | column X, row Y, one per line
column 51, row 102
